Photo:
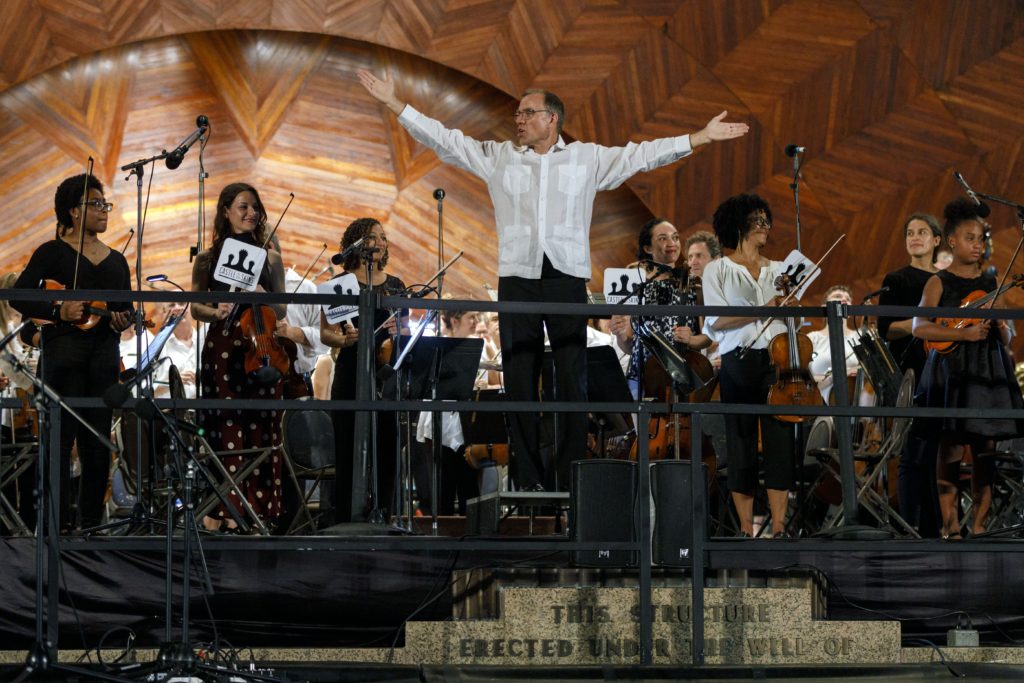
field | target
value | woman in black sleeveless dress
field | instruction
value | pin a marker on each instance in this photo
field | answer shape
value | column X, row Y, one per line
column 977, row 373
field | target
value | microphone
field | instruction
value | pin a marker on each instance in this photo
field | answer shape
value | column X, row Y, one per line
column 439, row 194
column 340, row 257
column 873, row 294
column 175, row 158
column 117, row 394
column 423, row 292
column 983, row 210
column 793, row 150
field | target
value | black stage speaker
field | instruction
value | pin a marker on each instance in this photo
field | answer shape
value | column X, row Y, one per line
column 673, row 525
column 602, row 507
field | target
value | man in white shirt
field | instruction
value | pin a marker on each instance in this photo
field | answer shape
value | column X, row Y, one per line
column 543, row 193
column 181, row 350
column 302, row 325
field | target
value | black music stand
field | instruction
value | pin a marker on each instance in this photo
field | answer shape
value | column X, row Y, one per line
column 443, row 369
column 486, row 429
column 606, row 382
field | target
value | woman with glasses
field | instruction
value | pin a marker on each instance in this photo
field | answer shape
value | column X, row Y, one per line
column 240, row 216
column 79, row 359
column 747, row 278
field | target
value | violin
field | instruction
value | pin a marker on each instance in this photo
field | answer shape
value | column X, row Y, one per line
column 92, row 311
column 975, row 299
column 266, row 361
column 791, row 354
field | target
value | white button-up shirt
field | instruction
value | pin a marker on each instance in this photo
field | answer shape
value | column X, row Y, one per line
column 543, row 203
column 727, row 283
column 307, row 318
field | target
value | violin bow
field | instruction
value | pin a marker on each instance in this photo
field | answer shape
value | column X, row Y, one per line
column 1009, row 267
column 291, row 198
column 131, row 235
column 306, row 273
column 81, row 225
column 814, row 269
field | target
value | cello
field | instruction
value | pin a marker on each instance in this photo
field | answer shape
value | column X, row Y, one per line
column 669, row 373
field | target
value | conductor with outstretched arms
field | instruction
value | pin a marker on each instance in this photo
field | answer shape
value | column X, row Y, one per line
column 543, row 193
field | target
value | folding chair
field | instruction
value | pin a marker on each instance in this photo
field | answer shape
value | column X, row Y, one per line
column 15, row 458
column 228, row 481
column 871, row 487
column 308, row 437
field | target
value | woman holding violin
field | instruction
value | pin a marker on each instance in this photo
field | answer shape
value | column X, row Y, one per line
column 747, row 278
column 79, row 350
column 967, row 367
column 373, row 257
column 233, row 355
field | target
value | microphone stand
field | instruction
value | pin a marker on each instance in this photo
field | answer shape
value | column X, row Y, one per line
column 43, row 654
column 364, row 458
column 795, row 186
column 140, row 515
column 200, row 241
column 439, row 196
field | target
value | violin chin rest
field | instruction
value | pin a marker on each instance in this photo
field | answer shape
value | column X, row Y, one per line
column 266, row 376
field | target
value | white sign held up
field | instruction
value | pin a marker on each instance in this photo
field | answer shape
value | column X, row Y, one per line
column 622, row 284
column 801, row 272
column 343, row 285
column 240, row 264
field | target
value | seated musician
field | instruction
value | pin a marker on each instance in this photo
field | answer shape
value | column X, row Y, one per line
column 180, row 349
column 75, row 361
column 658, row 250
column 747, row 278
column 15, row 421
column 240, row 214
column 821, row 356
column 458, row 480
column 976, row 373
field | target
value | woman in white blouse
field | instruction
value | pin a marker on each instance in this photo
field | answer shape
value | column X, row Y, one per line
column 746, row 278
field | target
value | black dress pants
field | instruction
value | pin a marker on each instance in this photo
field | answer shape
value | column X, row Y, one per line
column 747, row 380
column 522, row 352
column 73, row 368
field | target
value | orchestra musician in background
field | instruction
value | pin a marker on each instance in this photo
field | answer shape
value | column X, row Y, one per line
column 976, row 373
column 458, row 480
column 659, row 248
column 918, row 497
column 240, row 214
column 79, row 362
column 180, row 349
column 302, row 326
column 19, row 491
column 746, row 278
column 821, row 356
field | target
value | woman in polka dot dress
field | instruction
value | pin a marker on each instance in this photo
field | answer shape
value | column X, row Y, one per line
column 240, row 215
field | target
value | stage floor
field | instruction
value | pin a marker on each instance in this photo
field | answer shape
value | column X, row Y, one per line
column 358, row 591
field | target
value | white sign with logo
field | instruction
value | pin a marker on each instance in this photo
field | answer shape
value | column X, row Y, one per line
column 621, row 284
column 343, row 285
column 240, row 264
column 801, row 272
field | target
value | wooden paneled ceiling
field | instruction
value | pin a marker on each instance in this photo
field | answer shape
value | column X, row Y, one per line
column 888, row 96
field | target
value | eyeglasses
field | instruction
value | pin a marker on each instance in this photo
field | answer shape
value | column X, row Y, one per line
column 529, row 113
column 100, row 205
column 759, row 222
